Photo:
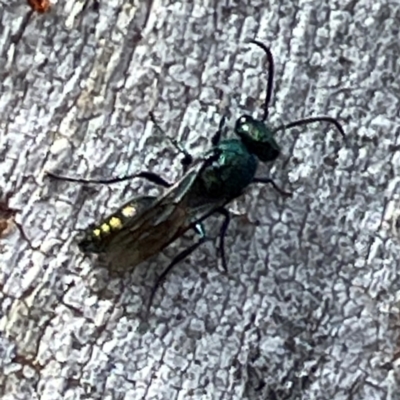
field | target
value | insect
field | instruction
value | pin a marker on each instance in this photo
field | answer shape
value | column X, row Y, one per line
column 40, row 6
column 146, row 225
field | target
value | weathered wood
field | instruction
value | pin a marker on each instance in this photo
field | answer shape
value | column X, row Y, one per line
column 309, row 309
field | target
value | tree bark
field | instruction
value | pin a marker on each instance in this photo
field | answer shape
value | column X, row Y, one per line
column 309, row 307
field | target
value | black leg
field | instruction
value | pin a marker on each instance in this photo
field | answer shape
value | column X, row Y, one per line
column 217, row 136
column 222, row 233
column 187, row 158
column 199, row 229
column 274, row 185
column 150, row 176
column 181, row 256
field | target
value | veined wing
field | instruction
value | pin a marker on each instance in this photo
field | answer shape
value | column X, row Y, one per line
column 96, row 238
column 135, row 236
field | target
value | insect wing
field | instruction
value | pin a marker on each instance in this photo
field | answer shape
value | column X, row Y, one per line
column 143, row 236
column 97, row 238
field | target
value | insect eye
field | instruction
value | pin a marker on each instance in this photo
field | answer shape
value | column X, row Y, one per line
column 250, row 129
column 243, row 125
column 243, row 120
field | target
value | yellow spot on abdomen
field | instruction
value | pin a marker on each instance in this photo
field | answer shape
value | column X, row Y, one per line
column 105, row 228
column 96, row 233
column 115, row 223
column 128, row 211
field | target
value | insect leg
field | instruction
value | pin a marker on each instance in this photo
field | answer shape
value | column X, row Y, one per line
column 217, row 136
column 199, row 229
column 224, row 227
column 187, row 158
column 150, row 176
column 181, row 256
column 274, row 185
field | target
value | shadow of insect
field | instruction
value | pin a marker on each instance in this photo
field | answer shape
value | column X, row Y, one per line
column 146, row 225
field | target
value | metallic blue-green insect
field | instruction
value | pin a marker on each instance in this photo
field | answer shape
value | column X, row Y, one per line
column 146, row 225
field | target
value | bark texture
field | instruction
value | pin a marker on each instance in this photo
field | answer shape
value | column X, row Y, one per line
column 310, row 307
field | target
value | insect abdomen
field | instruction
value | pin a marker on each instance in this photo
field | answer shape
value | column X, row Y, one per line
column 96, row 237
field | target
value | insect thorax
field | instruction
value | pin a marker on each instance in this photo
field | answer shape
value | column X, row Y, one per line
column 231, row 173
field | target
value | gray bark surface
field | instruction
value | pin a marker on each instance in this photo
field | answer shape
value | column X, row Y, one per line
column 310, row 306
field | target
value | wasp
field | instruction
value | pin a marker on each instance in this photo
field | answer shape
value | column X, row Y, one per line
column 146, row 225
